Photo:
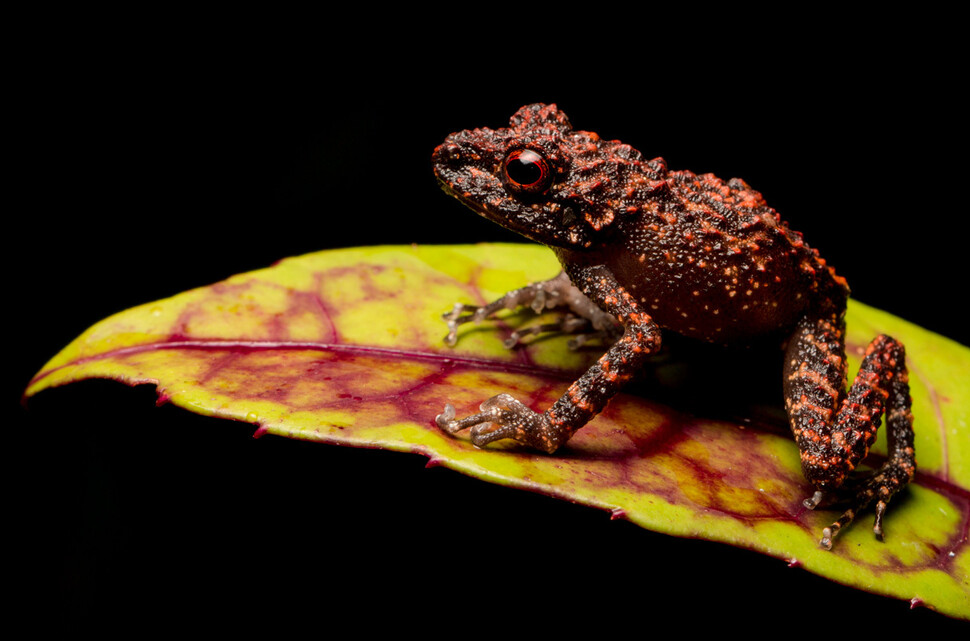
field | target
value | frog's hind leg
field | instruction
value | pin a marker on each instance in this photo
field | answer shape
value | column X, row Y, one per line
column 585, row 318
column 834, row 429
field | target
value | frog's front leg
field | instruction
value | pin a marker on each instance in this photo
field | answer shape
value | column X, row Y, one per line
column 504, row 417
column 539, row 296
column 834, row 429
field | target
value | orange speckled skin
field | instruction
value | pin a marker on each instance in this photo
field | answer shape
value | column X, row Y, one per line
column 697, row 255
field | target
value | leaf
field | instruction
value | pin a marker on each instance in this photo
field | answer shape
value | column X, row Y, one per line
column 346, row 347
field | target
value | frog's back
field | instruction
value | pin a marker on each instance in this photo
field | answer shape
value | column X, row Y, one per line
column 712, row 260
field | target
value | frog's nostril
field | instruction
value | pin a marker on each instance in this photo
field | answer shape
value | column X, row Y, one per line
column 446, row 153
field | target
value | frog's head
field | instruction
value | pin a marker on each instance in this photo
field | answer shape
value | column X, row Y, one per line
column 543, row 180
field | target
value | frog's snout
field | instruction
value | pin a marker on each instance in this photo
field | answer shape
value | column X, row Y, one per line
column 447, row 158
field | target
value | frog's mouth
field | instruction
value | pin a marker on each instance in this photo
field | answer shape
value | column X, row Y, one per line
column 565, row 230
column 465, row 198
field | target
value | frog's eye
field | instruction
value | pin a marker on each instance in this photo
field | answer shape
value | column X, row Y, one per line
column 527, row 171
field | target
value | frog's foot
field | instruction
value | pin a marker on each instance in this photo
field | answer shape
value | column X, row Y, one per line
column 880, row 487
column 504, row 417
column 585, row 318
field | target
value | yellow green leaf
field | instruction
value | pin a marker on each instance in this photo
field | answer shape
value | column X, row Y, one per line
column 346, row 347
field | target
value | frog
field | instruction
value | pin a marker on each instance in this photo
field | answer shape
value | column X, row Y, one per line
column 644, row 251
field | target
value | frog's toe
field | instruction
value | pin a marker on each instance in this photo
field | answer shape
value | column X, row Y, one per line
column 567, row 323
column 459, row 315
column 446, row 420
column 877, row 526
column 486, row 433
column 829, row 533
column 813, row 501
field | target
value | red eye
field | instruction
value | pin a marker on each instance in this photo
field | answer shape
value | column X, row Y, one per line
column 526, row 170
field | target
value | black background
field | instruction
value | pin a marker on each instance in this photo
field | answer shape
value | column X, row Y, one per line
column 151, row 163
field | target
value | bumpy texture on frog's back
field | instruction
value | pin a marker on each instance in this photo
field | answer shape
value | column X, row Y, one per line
column 709, row 259
column 706, row 256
